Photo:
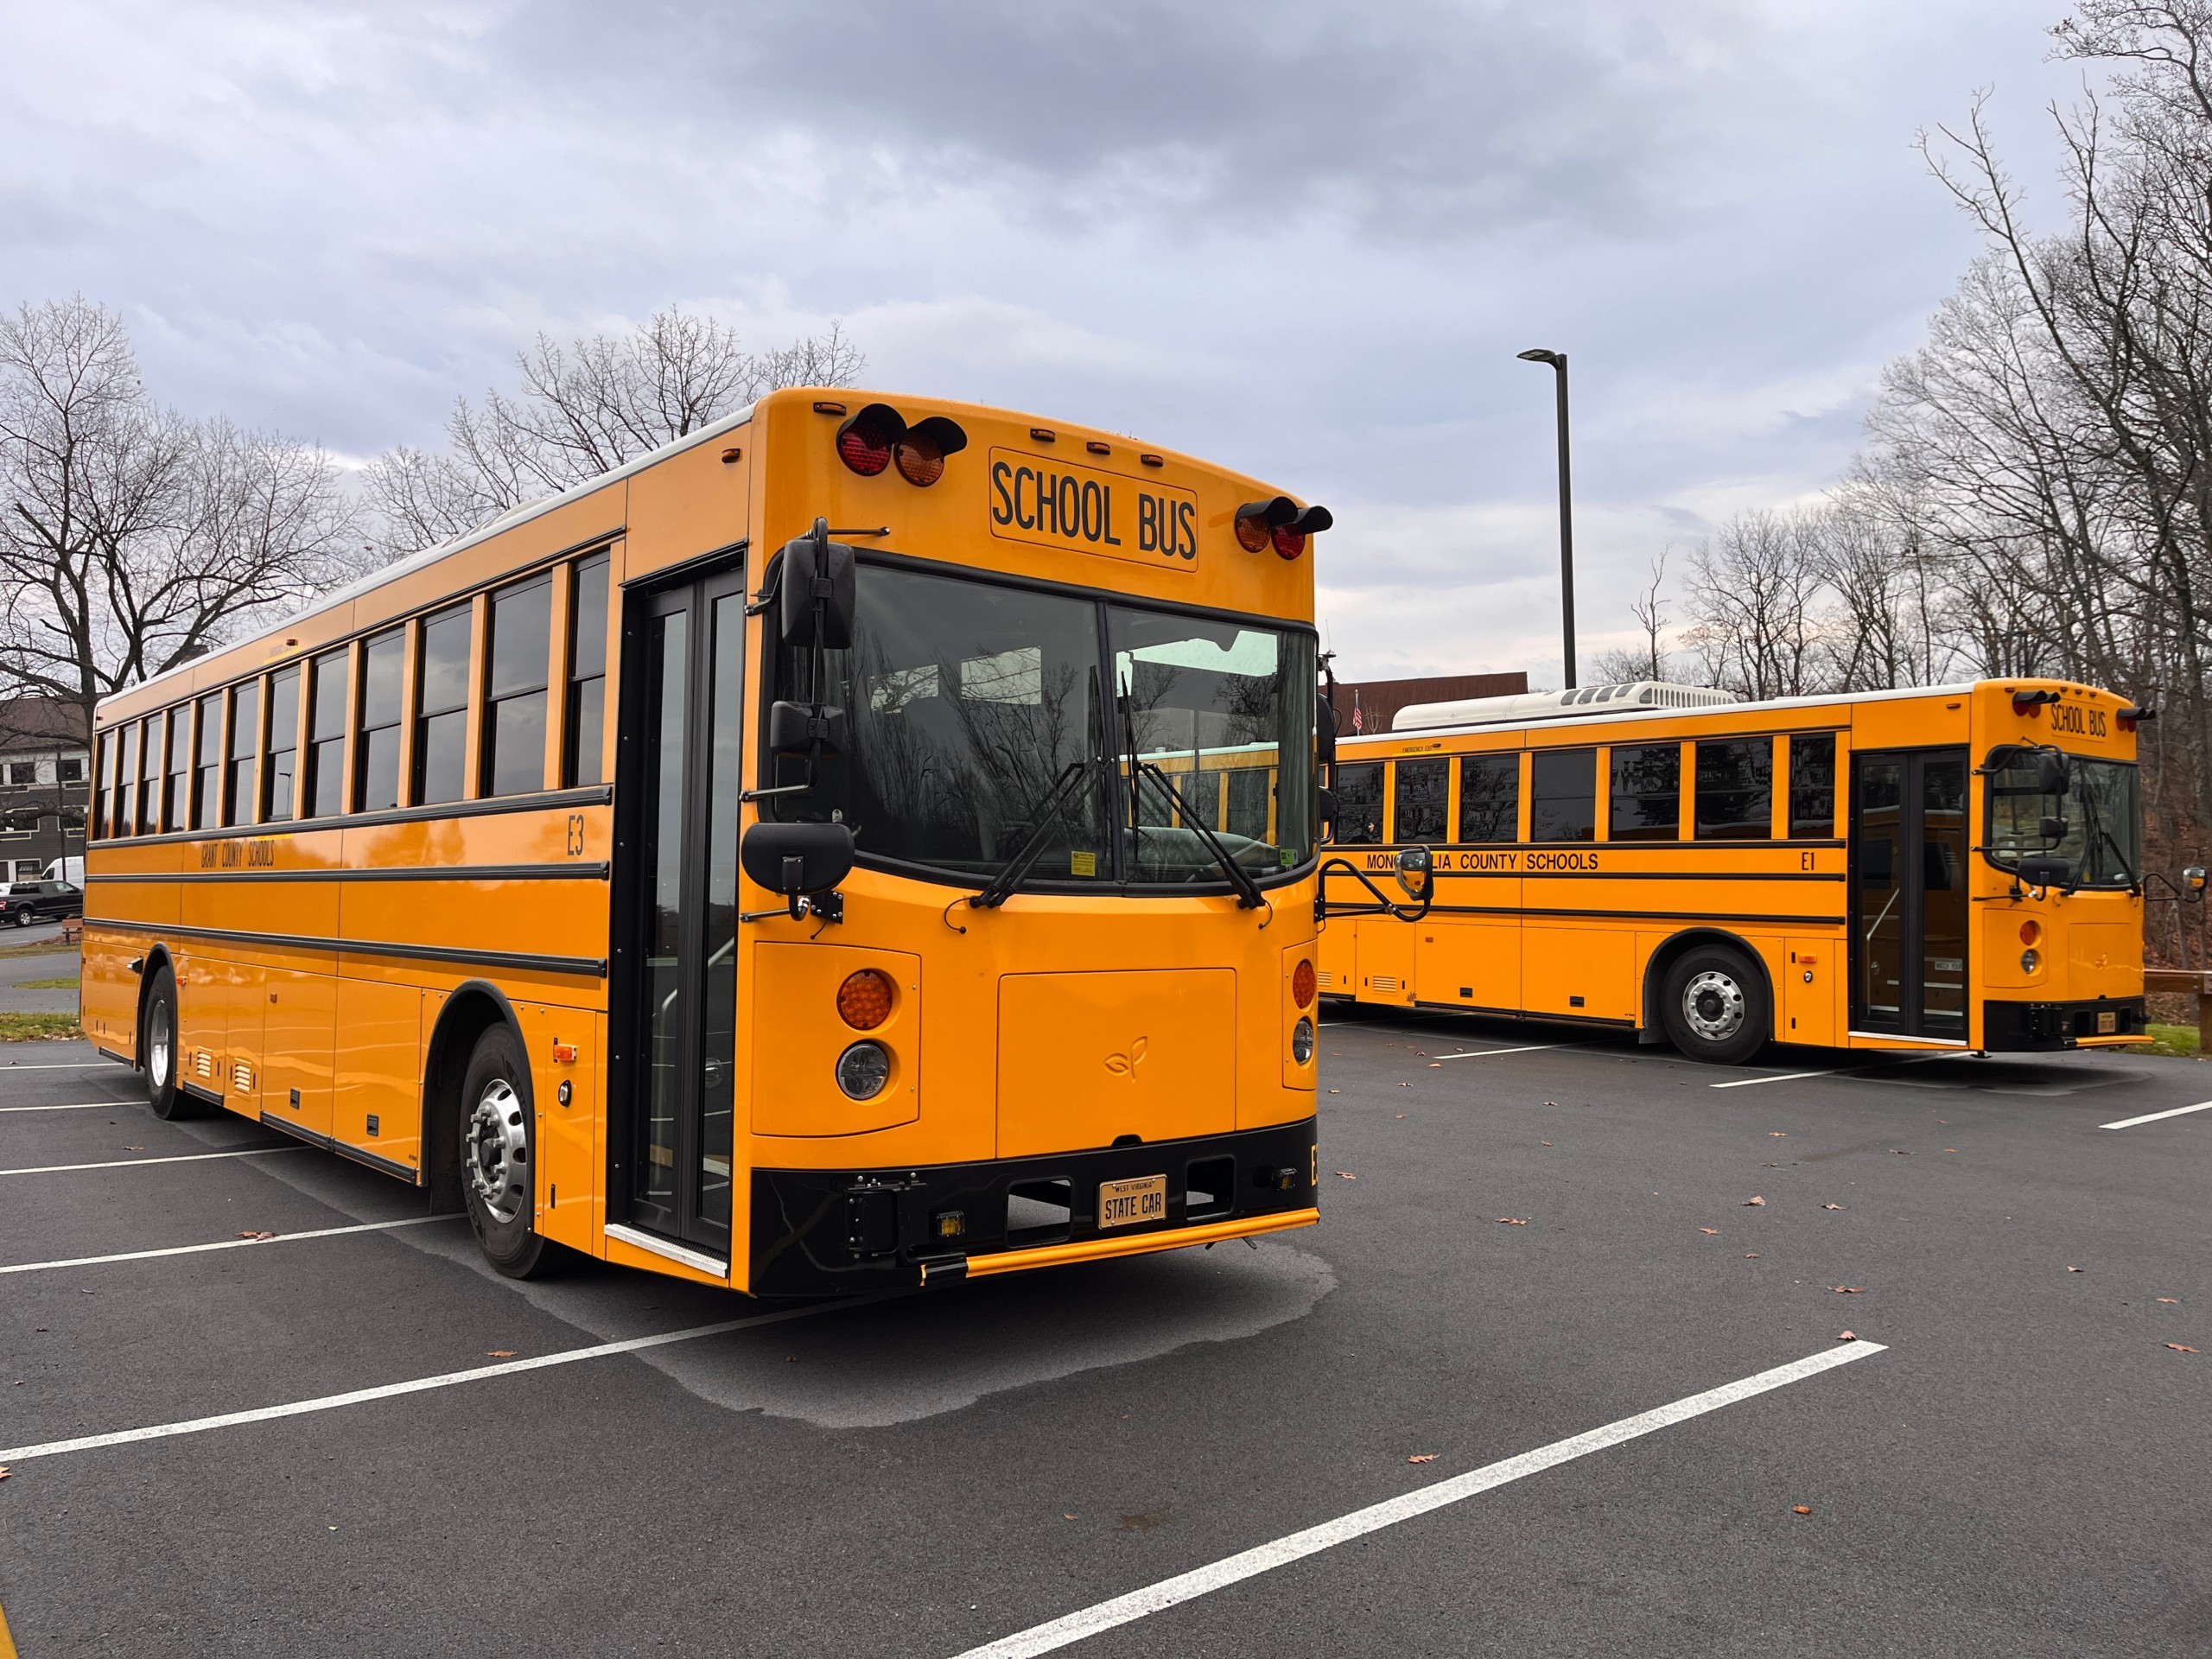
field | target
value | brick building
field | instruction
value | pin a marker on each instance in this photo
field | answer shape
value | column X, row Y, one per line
column 1368, row 706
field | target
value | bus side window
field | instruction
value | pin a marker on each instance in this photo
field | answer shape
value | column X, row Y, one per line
column 1812, row 786
column 1359, row 804
column 441, row 708
column 1563, row 795
column 322, row 793
column 207, row 760
column 175, row 814
column 1647, row 792
column 1419, row 801
column 376, row 765
column 245, row 744
column 1489, row 797
column 1249, row 788
column 103, row 763
column 1735, row 789
column 514, row 717
column 126, row 789
column 277, row 802
column 583, row 757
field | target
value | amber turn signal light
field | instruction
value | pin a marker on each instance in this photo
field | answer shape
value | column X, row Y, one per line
column 864, row 1000
column 2030, row 932
column 1301, row 984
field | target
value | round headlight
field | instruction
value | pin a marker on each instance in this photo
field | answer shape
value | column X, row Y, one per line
column 864, row 1069
column 1301, row 1041
column 2029, row 961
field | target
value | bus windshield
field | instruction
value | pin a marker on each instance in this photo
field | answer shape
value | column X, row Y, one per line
column 2097, row 817
column 982, row 717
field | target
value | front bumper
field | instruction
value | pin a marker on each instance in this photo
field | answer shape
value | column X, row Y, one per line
column 835, row 1232
column 2014, row 1026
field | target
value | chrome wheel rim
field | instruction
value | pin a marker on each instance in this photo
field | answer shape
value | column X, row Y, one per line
column 1712, row 1005
column 160, row 1041
column 496, row 1150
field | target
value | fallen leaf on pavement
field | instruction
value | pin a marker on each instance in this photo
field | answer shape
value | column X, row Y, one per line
column 1831, row 1206
column 1709, row 1231
column 1800, row 1509
column 1436, row 1066
column 1777, row 1135
column 1066, row 1517
column 1950, row 1148
column 4, row 1471
column 1422, row 1457
column 1901, row 1152
column 1346, row 1175
column 250, row 1233
column 1513, row 1221
column 1850, row 1290
column 1551, row 1102
column 1750, row 1256
column 1397, row 1114
column 2180, row 1348
column 2175, row 1300
column 2073, row 1269
column 1405, row 1085
column 498, row 1353
column 1543, row 1143
column 1336, row 1092
column 1754, row 1199
column 1847, row 1336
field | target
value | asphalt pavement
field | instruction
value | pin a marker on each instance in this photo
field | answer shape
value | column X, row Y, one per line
column 1527, row 1235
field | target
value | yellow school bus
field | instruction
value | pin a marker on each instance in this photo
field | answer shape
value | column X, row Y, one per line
column 1956, row 867
column 868, row 841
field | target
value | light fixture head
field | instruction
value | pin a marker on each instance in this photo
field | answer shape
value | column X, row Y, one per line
column 1539, row 354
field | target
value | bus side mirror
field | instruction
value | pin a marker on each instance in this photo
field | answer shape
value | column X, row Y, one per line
column 1327, row 810
column 1414, row 871
column 2052, row 775
column 795, row 861
column 820, row 591
column 2051, row 829
column 1324, row 736
column 2045, row 872
column 795, row 727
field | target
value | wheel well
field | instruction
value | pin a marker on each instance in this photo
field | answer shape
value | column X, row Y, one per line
column 158, row 957
column 470, row 1012
column 1662, row 963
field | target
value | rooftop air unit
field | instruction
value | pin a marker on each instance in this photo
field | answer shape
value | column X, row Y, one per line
column 1575, row 704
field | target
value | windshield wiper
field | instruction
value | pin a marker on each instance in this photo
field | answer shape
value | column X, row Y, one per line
column 1248, row 890
column 1000, row 886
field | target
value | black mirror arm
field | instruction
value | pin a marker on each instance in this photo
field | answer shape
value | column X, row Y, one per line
column 1384, row 905
column 1249, row 896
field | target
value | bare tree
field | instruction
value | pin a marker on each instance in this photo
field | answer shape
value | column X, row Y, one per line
column 583, row 409
column 1752, row 596
column 1647, row 660
column 132, row 539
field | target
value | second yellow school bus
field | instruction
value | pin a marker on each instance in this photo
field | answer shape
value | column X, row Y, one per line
column 870, row 840
column 1956, row 867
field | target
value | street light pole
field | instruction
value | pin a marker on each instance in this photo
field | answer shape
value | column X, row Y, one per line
column 1558, row 361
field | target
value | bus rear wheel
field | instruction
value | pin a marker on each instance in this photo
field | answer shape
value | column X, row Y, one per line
column 1714, row 1006
column 498, row 1148
column 157, row 1049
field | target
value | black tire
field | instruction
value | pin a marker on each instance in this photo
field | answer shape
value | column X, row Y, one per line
column 158, row 1051
column 1714, row 1006
column 499, row 1147
column 25, row 917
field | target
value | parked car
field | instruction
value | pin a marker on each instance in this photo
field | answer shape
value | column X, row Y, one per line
column 26, row 902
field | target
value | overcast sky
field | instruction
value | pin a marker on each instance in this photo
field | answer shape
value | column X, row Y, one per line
column 1305, row 239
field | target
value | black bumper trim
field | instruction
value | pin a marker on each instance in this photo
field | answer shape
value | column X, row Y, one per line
column 832, row 1231
column 2012, row 1027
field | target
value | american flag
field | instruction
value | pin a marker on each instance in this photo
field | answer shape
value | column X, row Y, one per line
column 1358, row 719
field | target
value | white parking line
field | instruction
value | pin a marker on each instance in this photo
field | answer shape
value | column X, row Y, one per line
column 1234, row 1569
column 2152, row 1117
column 1483, row 1054
column 227, row 1244
column 73, row 1106
column 61, row 1065
column 1834, row 1071
column 132, row 1163
column 1785, row 1077
column 424, row 1384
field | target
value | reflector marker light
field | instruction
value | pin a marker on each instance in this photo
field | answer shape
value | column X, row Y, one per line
column 828, row 408
column 1154, row 460
column 864, row 1000
column 1043, row 434
column 1302, row 985
column 1098, row 449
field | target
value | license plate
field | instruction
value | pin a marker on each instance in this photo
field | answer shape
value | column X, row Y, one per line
column 1125, row 1204
column 2107, row 1024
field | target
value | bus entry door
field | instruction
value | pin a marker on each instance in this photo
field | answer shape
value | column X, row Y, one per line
column 1908, row 849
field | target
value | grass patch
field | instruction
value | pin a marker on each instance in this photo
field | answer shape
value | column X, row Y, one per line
column 2173, row 1039
column 68, row 984
column 38, row 1028
column 38, row 948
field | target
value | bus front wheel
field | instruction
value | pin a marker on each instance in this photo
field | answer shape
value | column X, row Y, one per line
column 157, row 1051
column 498, row 1148
column 1714, row 1006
